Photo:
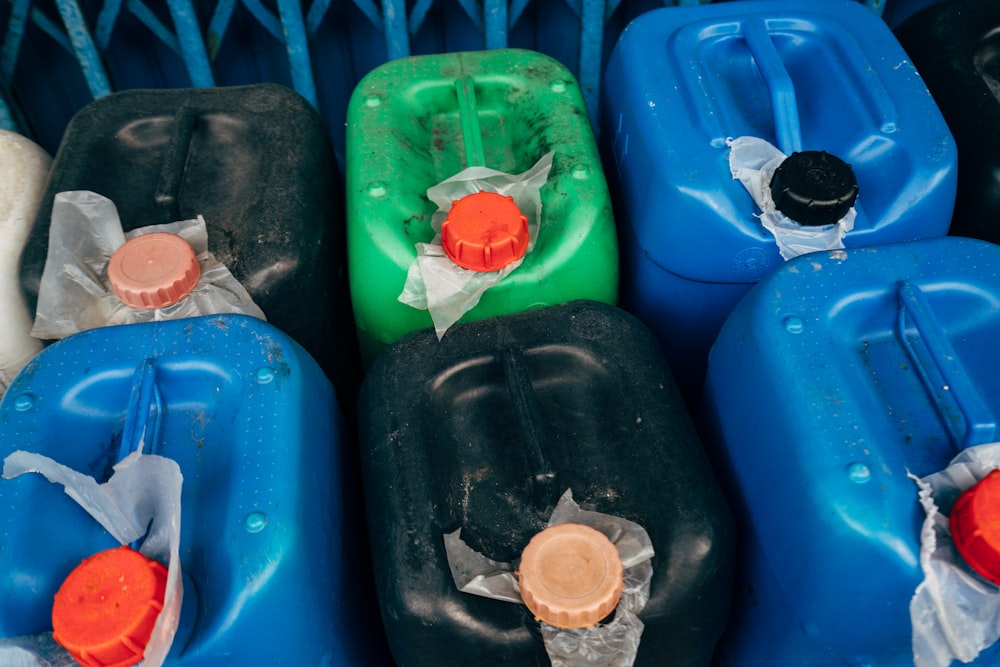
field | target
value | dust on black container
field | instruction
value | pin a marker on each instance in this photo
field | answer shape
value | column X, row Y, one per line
column 956, row 48
column 254, row 161
column 485, row 430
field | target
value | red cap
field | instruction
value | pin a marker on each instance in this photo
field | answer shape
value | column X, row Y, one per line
column 570, row 576
column 153, row 270
column 105, row 610
column 484, row 231
column 975, row 526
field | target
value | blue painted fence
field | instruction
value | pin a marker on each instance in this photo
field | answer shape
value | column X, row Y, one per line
column 57, row 55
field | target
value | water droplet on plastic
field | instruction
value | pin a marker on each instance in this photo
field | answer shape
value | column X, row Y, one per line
column 859, row 473
column 255, row 522
column 793, row 325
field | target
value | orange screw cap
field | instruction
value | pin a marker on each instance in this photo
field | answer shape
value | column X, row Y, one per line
column 105, row 610
column 570, row 576
column 975, row 526
column 484, row 231
column 153, row 270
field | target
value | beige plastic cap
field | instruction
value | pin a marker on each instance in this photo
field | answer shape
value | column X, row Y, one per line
column 153, row 270
column 570, row 576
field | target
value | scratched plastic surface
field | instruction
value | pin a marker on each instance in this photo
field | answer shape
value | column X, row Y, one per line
column 836, row 376
column 829, row 76
column 269, row 522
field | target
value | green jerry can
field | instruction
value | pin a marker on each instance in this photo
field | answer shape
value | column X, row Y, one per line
column 416, row 122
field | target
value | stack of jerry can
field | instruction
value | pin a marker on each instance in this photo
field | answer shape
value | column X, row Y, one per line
column 438, row 440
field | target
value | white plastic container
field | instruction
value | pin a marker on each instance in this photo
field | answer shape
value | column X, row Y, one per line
column 24, row 168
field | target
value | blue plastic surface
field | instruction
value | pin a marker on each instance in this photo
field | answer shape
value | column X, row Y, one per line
column 57, row 55
column 270, row 528
column 681, row 81
column 835, row 377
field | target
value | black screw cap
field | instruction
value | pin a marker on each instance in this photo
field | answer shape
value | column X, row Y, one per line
column 814, row 188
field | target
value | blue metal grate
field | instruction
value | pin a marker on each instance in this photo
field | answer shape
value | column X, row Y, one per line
column 57, row 55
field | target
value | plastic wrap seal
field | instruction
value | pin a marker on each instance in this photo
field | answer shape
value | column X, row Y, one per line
column 75, row 293
column 753, row 162
column 434, row 282
column 141, row 499
column 612, row 644
column 34, row 651
column 955, row 613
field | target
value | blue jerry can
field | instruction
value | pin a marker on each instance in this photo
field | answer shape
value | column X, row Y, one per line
column 829, row 77
column 833, row 379
column 270, row 544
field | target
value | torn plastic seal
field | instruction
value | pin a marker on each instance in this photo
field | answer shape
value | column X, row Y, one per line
column 144, row 492
column 75, row 292
column 34, row 651
column 612, row 644
column 954, row 612
column 753, row 162
column 437, row 284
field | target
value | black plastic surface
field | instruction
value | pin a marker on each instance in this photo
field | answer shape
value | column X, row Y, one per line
column 955, row 47
column 256, row 162
column 814, row 188
column 484, row 431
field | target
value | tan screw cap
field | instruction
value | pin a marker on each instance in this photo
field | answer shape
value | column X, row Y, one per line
column 570, row 576
column 153, row 270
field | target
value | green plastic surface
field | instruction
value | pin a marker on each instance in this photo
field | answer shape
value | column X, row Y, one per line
column 415, row 122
